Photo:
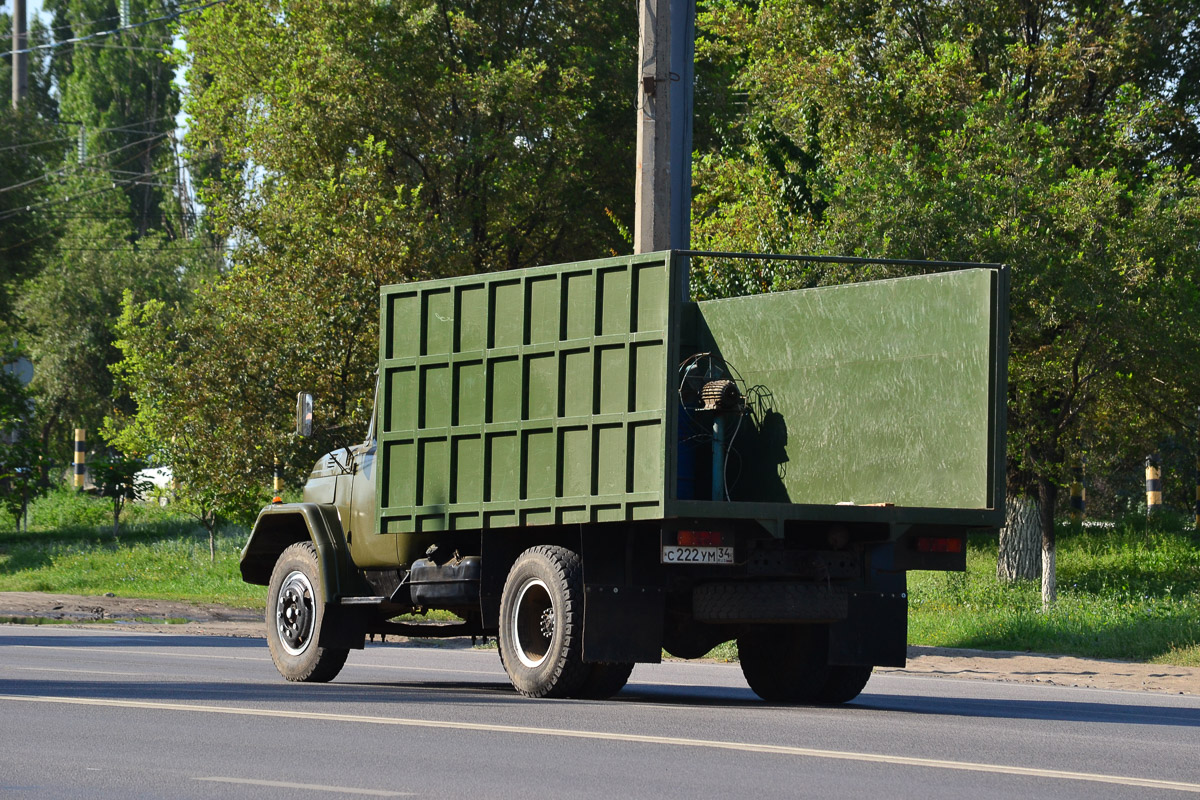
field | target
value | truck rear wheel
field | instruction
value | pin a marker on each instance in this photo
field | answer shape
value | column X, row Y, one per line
column 604, row 681
column 541, row 623
column 845, row 682
column 295, row 611
column 785, row 663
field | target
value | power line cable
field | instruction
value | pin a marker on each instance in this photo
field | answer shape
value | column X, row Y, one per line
column 121, row 47
column 58, row 173
column 172, row 16
column 116, row 184
column 90, row 130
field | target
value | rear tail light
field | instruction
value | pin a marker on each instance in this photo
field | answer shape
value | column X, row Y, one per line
column 929, row 544
column 700, row 539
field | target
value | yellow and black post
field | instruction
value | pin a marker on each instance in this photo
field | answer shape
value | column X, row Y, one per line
column 1078, row 493
column 80, row 456
column 1198, row 492
column 1153, row 485
column 277, row 483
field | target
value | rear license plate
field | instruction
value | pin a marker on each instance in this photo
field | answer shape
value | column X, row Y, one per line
column 676, row 554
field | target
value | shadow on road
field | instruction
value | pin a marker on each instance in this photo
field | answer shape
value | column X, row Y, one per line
column 1124, row 714
column 127, row 640
column 311, row 697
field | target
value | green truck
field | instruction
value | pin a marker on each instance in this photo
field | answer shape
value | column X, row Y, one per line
column 584, row 464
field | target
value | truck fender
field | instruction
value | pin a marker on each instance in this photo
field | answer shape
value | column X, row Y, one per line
column 283, row 524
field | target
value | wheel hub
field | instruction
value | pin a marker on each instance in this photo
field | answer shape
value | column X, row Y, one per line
column 533, row 623
column 295, row 613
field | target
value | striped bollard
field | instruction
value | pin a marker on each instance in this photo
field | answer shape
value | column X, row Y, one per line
column 1153, row 485
column 80, row 456
column 1078, row 493
column 1198, row 492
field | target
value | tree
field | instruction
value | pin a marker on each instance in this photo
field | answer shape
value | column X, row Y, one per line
column 29, row 144
column 120, row 90
column 1055, row 137
column 174, row 423
column 364, row 144
column 19, row 454
column 501, row 119
column 116, row 477
column 113, row 213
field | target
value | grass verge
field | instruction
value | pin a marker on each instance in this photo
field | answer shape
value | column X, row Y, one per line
column 1124, row 593
column 70, row 549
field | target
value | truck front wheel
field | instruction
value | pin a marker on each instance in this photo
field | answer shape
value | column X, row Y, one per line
column 295, row 611
column 541, row 623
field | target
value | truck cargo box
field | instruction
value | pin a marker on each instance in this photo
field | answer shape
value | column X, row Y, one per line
column 553, row 396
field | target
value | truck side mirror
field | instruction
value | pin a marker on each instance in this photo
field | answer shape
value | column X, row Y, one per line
column 304, row 414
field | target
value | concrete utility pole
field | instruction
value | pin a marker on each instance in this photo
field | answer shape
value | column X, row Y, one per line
column 20, row 68
column 666, row 48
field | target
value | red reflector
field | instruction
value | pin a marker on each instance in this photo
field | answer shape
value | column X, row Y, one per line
column 699, row 539
column 948, row 545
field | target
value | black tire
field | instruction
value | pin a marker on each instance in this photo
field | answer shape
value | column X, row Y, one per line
column 604, row 681
column 845, row 682
column 295, row 612
column 785, row 663
column 541, row 623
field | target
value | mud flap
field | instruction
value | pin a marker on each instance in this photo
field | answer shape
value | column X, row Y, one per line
column 623, row 624
column 343, row 626
column 875, row 633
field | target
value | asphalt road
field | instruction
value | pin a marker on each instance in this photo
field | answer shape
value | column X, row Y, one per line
column 113, row 714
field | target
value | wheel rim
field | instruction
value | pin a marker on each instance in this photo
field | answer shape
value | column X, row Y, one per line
column 533, row 623
column 295, row 614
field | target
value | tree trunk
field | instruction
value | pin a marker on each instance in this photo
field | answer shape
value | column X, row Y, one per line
column 1047, row 496
column 1020, row 540
column 209, row 520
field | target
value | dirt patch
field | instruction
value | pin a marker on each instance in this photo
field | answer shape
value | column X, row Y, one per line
column 166, row 616
column 129, row 614
column 1049, row 669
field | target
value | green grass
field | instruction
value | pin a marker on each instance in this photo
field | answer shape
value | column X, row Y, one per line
column 1125, row 593
column 70, row 549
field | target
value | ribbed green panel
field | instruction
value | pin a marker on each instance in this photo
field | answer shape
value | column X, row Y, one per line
column 867, row 393
column 525, row 397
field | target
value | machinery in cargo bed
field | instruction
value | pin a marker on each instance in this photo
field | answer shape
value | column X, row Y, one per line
column 581, row 462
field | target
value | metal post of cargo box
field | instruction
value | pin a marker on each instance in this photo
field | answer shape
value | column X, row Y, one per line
column 718, row 458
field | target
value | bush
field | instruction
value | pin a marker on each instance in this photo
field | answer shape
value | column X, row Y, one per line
column 65, row 509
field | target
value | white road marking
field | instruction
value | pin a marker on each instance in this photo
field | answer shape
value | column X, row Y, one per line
column 81, row 671
column 630, row 738
column 140, row 652
column 312, row 787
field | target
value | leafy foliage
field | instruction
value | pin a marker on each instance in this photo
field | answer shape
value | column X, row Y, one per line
column 364, row 144
column 19, row 454
column 116, row 477
column 105, row 219
column 1054, row 137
